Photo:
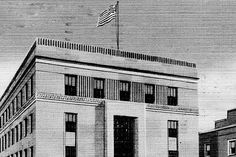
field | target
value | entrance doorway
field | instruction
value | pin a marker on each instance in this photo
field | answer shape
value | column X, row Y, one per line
column 124, row 136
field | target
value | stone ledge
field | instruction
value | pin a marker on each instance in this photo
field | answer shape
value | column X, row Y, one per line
column 172, row 108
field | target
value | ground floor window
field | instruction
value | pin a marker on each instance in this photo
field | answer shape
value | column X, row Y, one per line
column 231, row 146
column 70, row 151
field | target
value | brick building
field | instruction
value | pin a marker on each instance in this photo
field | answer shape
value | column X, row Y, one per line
column 69, row 99
column 221, row 141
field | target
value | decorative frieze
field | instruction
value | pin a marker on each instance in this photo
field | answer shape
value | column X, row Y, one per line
column 60, row 97
column 169, row 108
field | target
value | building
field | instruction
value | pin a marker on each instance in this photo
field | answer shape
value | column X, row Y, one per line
column 68, row 100
column 220, row 142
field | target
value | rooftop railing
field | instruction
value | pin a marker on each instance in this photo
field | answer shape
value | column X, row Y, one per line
column 111, row 52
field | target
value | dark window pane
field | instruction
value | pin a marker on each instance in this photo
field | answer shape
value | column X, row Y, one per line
column 70, row 122
column 172, row 96
column 70, row 151
column 70, row 85
column 98, row 88
column 149, row 93
column 124, row 91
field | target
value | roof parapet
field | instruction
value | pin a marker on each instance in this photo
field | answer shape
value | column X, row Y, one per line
column 111, row 52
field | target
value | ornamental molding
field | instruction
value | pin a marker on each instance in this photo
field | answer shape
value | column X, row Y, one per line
column 60, row 97
column 172, row 108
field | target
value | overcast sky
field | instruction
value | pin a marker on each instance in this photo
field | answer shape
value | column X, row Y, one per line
column 200, row 31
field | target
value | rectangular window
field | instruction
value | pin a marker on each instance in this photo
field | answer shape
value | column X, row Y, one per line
column 5, row 141
column 124, row 91
column 26, row 126
column 71, row 120
column 19, row 100
column 17, row 133
column 16, row 154
column 26, row 91
column 98, row 88
column 32, row 85
column 207, row 152
column 21, row 130
column 172, row 98
column 12, row 136
column 23, row 96
column 25, row 152
column 31, row 122
column 231, row 146
column 149, row 93
column 9, row 112
column 173, row 138
column 71, row 85
column 32, row 151
column 20, row 153
column 16, row 104
column 9, row 138
column 70, row 151
column 2, row 143
column 13, row 108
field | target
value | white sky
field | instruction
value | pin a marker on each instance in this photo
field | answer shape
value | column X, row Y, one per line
column 200, row 31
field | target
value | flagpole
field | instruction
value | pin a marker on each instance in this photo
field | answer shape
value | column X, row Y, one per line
column 117, row 25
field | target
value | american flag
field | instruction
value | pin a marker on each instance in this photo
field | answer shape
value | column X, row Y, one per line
column 107, row 16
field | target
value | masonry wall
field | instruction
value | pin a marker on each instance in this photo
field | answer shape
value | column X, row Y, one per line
column 50, row 128
column 50, row 78
column 157, row 135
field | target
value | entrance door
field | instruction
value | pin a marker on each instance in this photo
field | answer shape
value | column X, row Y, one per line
column 123, row 136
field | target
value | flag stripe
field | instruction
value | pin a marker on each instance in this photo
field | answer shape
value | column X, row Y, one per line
column 107, row 16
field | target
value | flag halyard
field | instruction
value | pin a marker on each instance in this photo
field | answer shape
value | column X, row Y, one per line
column 107, row 16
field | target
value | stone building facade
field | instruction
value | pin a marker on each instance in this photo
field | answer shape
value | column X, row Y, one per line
column 69, row 99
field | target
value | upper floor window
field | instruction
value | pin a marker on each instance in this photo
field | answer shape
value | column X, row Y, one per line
column 70, row 122
column 231, row 145
column 124, row 90
column 98, row 88
column 70, row 85
column 172, row 96
column 149, row 93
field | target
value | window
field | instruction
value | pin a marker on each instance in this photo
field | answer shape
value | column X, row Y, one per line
column 207, row 148
column 149, row 93
column 26, row 126
column 124, row 90
column 98, row 88
column 231, row 145
column 9, row 138
column 9, row 112
column 20, row 153
column 16, row 154
column 32, row 85
column 32, row 151
column 172, row 96
column 70, row 151
column 25, row 152
column 70, row 122
column 31, row 122
column 26, row 91
column 21, row 130
column 17, row 133
column 173, row 138
column 13, row 108
column 70, row 85
column 12, row 136
column 19, row 100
